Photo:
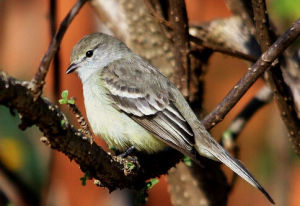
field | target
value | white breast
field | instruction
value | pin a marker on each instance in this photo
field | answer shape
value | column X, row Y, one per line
column 116, row 128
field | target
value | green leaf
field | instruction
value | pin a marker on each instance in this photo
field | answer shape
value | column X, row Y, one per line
column 71, row 101
column 130, row 166
column 84, row 178
column 188, row 161
column 227, row 134
column 151, row 183
column 111, row 147
column 63, row 101
column 83, row 181
column 142, row 195
column 65, row 94
column 62, row 122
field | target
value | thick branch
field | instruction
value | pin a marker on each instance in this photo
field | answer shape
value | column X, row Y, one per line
column 181, row 45
column 37, row 83
column 111, row 171
column 252, row 75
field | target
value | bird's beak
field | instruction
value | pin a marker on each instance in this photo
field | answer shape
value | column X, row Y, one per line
column 71, row 68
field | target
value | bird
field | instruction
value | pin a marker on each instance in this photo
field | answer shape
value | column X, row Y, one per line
column 130, row 104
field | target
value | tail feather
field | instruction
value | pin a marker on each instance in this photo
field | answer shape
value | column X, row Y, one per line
column 220, row 153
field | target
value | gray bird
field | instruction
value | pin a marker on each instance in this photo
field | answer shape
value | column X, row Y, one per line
column 130, row 103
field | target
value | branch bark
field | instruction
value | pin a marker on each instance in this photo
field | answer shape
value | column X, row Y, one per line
column 181, row 47
column 282, row 92
column 261, row 65
column 111, row 171
column 56, row 60
column 263, row 97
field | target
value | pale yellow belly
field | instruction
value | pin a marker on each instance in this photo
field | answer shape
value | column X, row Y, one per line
column 116, row 128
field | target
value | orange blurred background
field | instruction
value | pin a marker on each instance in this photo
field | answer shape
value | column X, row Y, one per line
column 264, row 146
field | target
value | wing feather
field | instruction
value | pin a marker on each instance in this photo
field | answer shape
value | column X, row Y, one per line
column 145, row 97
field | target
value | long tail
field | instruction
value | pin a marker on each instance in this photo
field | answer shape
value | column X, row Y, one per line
column 210, row 148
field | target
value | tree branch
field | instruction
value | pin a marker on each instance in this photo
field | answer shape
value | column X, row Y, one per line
column 261, row 65
column 112, row 172
column 179, row 21
column 37, row 83
column 229, row 36
column 229, row 137
column 282, row 92
column 85, row 129
column 56, row 60
column 222, row 50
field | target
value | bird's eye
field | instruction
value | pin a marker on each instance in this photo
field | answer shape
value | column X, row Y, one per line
column 89, row 53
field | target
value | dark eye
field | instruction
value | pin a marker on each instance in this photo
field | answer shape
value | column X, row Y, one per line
column 89, row 53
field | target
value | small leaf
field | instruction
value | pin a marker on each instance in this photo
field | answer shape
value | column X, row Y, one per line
column 63, row 101
column 188, row 161
column 71, row 101
column 151, row 184
column 83, row 181
column 130, row 166
column 84, row 178
column 65, row 94
column 111, row 147
column 62, row 122
column 228, row 139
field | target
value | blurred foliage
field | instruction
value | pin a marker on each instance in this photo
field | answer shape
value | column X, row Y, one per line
column 11, row 153
column 19, row 151
column 265, row 162
column 284, row 13
column 286, row 10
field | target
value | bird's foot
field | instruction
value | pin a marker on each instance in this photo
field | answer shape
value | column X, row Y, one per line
column 129, row 151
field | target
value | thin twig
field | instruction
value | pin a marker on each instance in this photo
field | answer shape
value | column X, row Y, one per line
column 262, row 24
column 56, row 85
column 214, row 48
column 157, row 16
column 283, row 95
column 261, row 65
column 242, row 8
column 56, row 60
column 223, row 50
column 37, row 83
column 229, row 137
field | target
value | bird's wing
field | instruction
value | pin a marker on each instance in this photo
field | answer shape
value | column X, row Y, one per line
column 140, row 91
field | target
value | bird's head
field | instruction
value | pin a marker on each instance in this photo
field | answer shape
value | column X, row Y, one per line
column 93, row 52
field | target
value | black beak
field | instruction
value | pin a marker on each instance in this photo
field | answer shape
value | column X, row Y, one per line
column 71, row 68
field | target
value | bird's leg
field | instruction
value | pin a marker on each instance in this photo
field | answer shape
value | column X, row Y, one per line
column 127, row 152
